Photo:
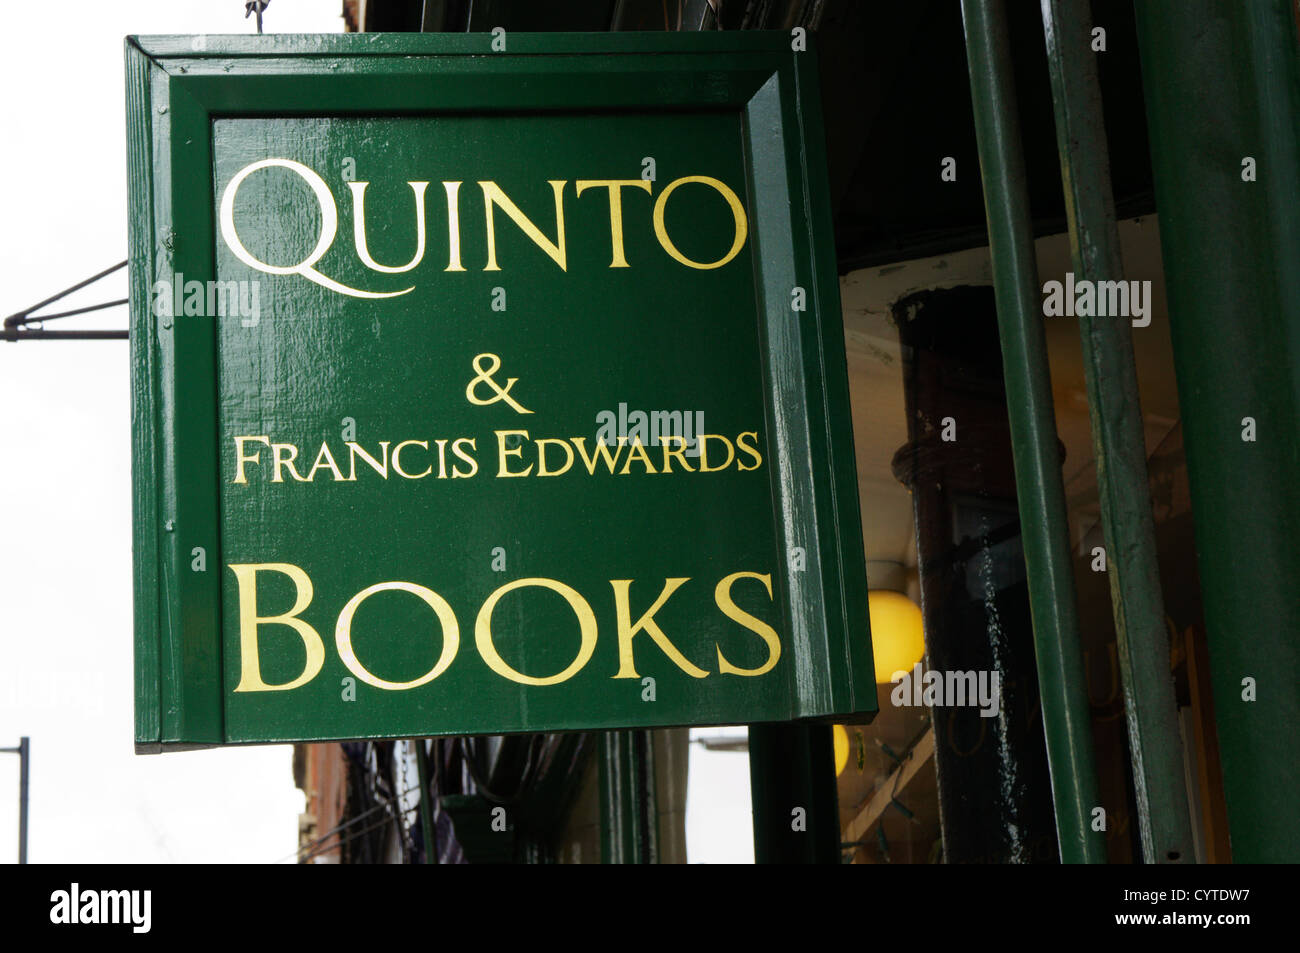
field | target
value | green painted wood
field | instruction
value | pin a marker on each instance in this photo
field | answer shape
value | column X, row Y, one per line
column 144, row 435
column 578, row 339
column 377, row 45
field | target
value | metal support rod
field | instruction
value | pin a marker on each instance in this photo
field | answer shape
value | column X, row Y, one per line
column 1222, row 87
column 1119, row 444
column 67, row 291
column 256, row 7
column 1039, row 489
column 25, row 761
column 39, row 334
column 15, row 325
column 23, row 751
column 628, row 817
column 21, row 319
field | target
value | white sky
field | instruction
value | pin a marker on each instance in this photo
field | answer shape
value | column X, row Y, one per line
column 65, row 497
column 65, row 501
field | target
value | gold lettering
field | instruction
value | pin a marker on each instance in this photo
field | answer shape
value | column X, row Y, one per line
column 634, row 451
column 359, row 228
column 397, row 459
column 586, row 625
column 602, row 450
column 354, row 451
column 446, row 618
column 281, row 460
column 615, row 187
column 325, row 459
column 542, row 469
column 453, row 226
column 250, row 670
column 627, row 631
column 665, row 441
column 704, row 452
column 473, row 464
column 737, row 212
column 504, row 469
column 751, row 450
column 241, row 458
column 722, row 596
column 493, row 196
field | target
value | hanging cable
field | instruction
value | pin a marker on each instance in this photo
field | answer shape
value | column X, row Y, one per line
column 472, row 755
column 325, row 849
column 311, row 848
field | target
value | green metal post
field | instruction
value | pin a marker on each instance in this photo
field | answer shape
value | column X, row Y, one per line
column 1222, row 86
column 1039, row 489
column 1118, row 442
column 628, row 817
column 793, row 791
column 426, row 806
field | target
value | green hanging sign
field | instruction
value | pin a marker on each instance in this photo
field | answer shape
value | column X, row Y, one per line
column 486, row 384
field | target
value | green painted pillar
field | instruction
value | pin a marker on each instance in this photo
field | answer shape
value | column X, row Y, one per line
column 1034, row 446
column 628, row 818
column 1222, row 86
column 792, row 787
column 426, row 800
column 1119, row 443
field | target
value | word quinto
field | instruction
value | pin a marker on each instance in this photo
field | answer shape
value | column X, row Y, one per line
column 494, row 198
column 627, row 627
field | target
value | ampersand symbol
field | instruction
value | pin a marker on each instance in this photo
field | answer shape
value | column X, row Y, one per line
column 484, row 376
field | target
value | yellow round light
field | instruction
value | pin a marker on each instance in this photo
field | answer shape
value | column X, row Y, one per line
column 897, row 635
column 841, row 749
